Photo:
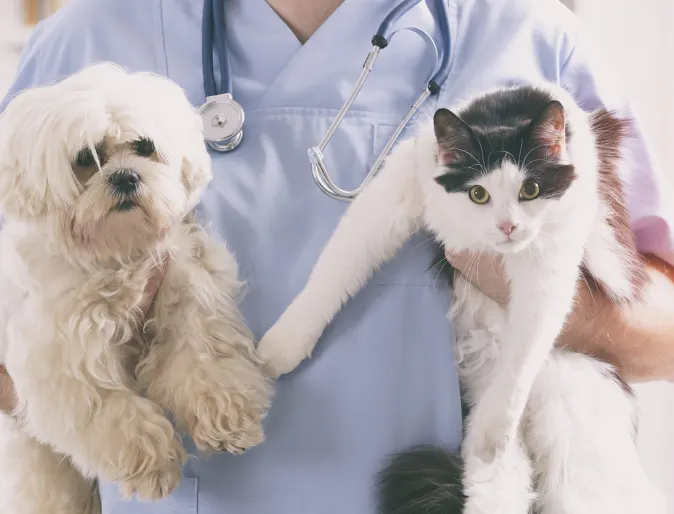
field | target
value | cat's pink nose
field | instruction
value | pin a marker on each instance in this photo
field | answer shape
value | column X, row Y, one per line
column 507, row 227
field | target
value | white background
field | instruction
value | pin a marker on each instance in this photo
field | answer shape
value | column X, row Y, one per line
column 637, row 38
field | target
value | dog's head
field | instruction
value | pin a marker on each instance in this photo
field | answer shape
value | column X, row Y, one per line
column 108, row 160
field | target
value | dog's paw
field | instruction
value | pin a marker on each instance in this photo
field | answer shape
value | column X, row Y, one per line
column 285, row 346
column 227, row 412
column 228, row 420
column 154, row 468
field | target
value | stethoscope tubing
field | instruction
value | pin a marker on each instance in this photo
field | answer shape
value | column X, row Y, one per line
column 380, row 41
column 214, row 31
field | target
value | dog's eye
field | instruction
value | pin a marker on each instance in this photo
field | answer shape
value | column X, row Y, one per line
column 85, row 158
column 143, row 147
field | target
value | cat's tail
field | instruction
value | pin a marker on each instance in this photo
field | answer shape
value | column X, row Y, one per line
column 422, row 480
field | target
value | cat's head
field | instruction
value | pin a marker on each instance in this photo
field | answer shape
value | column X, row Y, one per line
column 501, row 172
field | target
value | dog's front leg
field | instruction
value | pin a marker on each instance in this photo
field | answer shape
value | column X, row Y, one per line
column 201, row 364
column 73, row 394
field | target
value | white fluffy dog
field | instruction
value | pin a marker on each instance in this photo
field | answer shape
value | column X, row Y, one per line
column 98, row 176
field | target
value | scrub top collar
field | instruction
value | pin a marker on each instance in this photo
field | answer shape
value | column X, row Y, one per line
column 320, row 73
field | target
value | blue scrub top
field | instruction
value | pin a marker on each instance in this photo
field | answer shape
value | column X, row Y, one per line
column 383, row 376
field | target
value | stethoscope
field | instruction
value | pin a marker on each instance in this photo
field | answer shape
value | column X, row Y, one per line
column 223, row 117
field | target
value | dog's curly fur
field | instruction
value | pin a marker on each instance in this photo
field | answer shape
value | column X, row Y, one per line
column 77, row 254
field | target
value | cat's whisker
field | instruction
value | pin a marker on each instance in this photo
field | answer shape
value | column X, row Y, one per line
column 524, row 163
column 478, row 167
column 476, row 267
column 444, row 263
column 429, row 238
column 507, row 153
column 519, row 156
column 584, row 278
column 491, row 262
column 478, row 163
column 470, row 267
column 441, row 261
column 534, row 161
column 533, row 251
column 474, row 270
column 482, row 155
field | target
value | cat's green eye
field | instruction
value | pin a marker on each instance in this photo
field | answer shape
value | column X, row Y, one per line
column 530, row 190
column 478, row 194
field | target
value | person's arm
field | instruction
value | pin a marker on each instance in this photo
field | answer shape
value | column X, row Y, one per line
column 7, row 396
column 638, row 340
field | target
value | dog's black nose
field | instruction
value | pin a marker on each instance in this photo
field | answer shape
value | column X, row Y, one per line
column 124, row 181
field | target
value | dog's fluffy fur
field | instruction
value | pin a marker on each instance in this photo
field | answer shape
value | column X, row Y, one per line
column 78, row 250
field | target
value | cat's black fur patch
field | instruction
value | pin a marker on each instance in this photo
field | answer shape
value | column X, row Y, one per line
column 422, row 480
column 501, row 127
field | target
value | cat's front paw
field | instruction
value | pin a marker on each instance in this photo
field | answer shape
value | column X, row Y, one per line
column 285, row 346
column 502, row 486
column 491, row 429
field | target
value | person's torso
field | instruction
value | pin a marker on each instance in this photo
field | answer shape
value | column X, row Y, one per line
column 382, row 377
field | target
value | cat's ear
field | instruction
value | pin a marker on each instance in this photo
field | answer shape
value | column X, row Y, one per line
column 548, row 131
column 454, row 137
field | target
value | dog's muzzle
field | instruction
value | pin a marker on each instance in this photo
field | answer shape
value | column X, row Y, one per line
column 124, row 181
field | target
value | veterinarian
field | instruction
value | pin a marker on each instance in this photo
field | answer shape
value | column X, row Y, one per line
column 382, row 377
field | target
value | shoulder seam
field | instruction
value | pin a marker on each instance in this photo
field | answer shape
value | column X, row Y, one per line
column 571, row 53
column 160, row 40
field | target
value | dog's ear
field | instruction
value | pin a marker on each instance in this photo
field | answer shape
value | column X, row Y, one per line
column 196, row 167
column 35, row 170
column 22, row 193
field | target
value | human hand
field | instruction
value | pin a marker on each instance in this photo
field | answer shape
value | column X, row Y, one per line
column 636, row 340
column 7, row 393
column 152, row 286
column 485, row 272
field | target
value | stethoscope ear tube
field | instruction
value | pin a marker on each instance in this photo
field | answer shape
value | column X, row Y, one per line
column 380, row 41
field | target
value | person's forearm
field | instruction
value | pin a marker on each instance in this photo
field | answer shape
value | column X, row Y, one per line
column 639, row 340
column 7, row 398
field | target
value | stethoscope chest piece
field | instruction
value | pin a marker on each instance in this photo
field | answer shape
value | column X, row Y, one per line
column 223, row 119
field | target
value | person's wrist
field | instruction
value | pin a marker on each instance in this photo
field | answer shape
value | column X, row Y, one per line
column 7, row 395
column 628, row 338
column 484, row 272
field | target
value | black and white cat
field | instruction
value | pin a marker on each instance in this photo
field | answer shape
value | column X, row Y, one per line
column 525, row 173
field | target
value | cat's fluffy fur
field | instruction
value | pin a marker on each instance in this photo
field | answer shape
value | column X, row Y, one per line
column 99, row 174
column 579, row 420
